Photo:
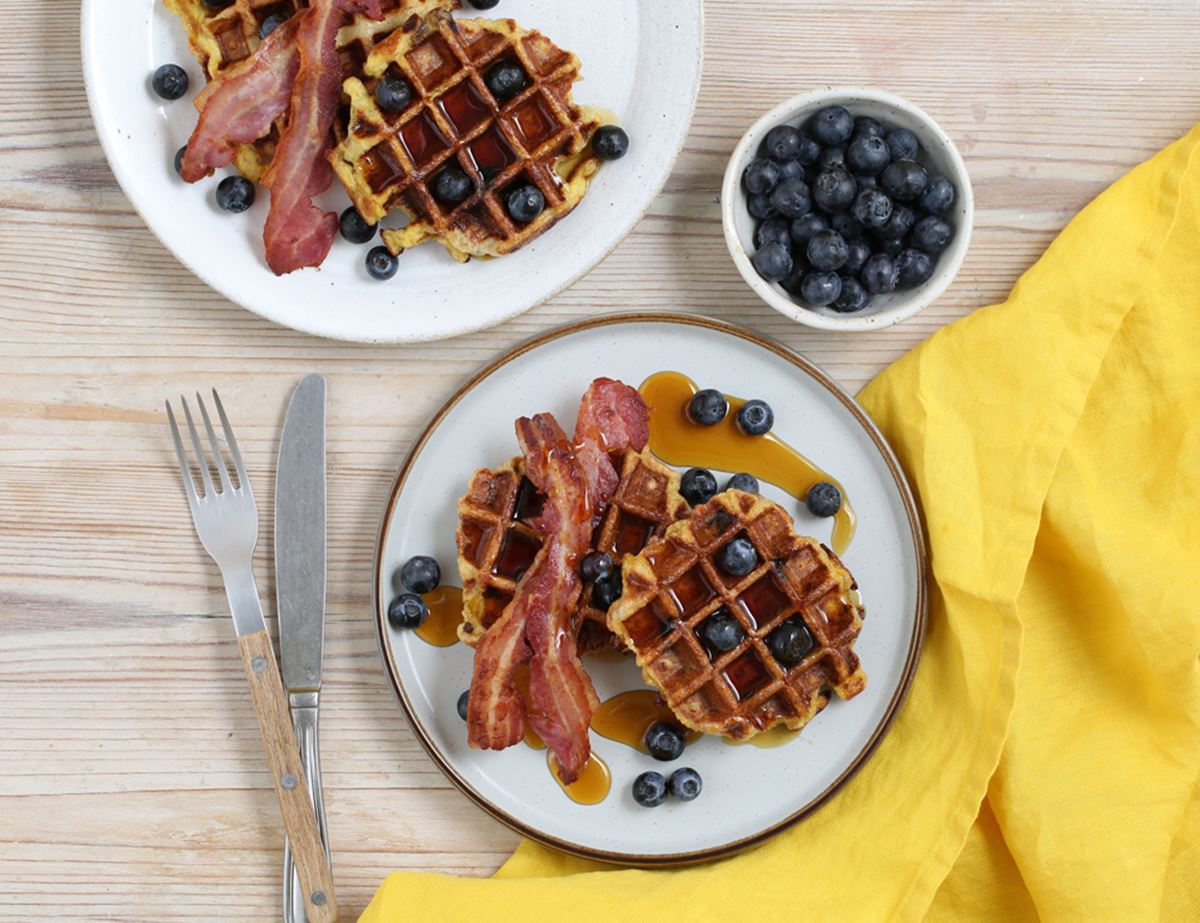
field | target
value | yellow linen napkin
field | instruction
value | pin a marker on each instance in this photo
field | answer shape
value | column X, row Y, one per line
column 1046, row 763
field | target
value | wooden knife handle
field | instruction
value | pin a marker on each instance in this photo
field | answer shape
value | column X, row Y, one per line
column 283, row 757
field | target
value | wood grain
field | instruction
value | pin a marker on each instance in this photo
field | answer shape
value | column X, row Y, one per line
column 132, row 785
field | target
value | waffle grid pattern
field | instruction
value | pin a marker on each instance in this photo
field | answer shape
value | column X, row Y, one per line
column 675, row 584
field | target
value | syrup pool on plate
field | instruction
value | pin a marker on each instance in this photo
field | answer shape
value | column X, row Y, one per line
column 627, row 716
column 678, row 441
column 593, row 784
column 440, row 627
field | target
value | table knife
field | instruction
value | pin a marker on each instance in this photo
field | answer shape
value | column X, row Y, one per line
column 300, row 594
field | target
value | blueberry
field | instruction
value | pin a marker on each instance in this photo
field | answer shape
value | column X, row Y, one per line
column 904, row 180
column 833, row 125
column 179, row 154
column 872, row 208
column 790, row 642
column 170, row 81
column 827, row 250
column 773, row 262
column 381, row 265
column 823, row 499
column 697, row 486
column 867, row 127
column 866, row 181
column 707, row 407
column 902, row 144
column 755, row 418
column 773, row 231
column 408, row 610
column 595, row 566
column 820, row 288
column 738, row 558
column 462, row 704
column 685, row 784
column 505, row 80
column 879, row 275
column 859, row 253
column 804, row 227
column 889, row 246
column 932, row 234
column 453, row 185
column 483, row 4
column 354, row 228
column 852, row 298
column 791, row 199
column 899, row 224
column 846, row 225
column 792, row 169
column 393, row 94
column 915, row 267
column 664, row 741
column 421, row 574
column 235, row 194
column 610, row 142
column 760, row 176
column 833, row 190
column 607, row 590
column 810, row 150
column 794, row 281
column 832, row 157
column 721, row 631
column 525, row 203
column 868, row 155
column 783, row 143
column 650, row 789
column 744, row 482
column 760, row 207
column 271, row 23
column 939, row 196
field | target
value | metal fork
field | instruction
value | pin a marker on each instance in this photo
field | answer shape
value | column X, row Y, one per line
column 227, row 522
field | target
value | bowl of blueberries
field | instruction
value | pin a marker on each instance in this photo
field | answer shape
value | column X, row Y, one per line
column 847, row 209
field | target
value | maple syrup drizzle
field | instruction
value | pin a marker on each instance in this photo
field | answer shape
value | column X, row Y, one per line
column 678, row 441
column 440, row 628
column 776, row 737
column 593, row 784
column 627, row 716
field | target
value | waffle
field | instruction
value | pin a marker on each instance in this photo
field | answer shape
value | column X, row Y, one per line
column 539, row 136
column 675, row 584
column 223, row 38
column 496, row 542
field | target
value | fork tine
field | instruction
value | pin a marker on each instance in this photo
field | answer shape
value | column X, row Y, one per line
column 184, row 468
column 230, row 441
column 222, row 470
column 201, row 458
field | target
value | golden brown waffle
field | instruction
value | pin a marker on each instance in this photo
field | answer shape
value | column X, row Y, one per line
column 537, row 137
column 675, row 584
column 223, row 38
column 496, row 542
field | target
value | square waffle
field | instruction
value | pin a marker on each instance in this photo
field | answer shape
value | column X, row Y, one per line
column 221, row 38
column 675, row 584
column 497, row 543
column 537, row 137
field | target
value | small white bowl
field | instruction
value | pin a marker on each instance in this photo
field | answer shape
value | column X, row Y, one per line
column 938, row 154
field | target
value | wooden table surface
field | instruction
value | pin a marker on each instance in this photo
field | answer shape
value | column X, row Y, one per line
column 132, row 783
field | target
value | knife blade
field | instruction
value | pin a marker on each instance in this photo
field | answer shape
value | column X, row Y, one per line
column 300, row 538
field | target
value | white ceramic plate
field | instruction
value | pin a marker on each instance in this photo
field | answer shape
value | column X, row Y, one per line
column 749, row 792
column 640, row 60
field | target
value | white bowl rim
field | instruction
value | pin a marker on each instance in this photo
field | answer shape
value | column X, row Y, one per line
column 731, row 198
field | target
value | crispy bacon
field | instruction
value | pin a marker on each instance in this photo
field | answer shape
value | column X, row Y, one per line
column 241, row 105
column 298, row 233
column 578, row 481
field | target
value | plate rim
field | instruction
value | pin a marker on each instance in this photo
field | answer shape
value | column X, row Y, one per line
column 916, row 642
column 123, row 176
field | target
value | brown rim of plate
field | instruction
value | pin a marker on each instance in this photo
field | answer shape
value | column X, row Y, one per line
column 666, row 860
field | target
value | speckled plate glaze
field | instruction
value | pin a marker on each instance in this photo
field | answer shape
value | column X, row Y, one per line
column 750, row 793
column 640, row 60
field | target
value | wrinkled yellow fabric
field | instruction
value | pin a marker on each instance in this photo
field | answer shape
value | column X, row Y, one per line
column 1047, row 762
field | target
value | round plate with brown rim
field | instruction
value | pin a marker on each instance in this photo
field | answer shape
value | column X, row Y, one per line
column 750, row 793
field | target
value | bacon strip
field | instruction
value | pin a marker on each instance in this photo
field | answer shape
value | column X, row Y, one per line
column 241, row 105
column 298, row 233
column 578, row 481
